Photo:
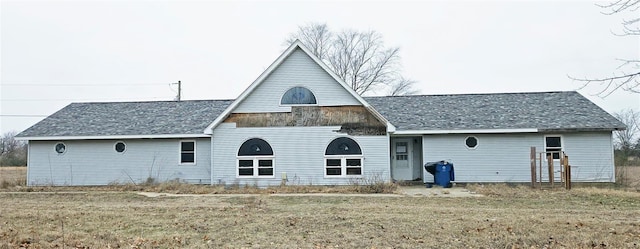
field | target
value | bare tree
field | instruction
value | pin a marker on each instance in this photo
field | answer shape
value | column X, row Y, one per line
column 627, row 76
column 358, row 58
column 629, row 26
column 628, row 139
column 315, row 36
column 402, row 87
column 12, row 152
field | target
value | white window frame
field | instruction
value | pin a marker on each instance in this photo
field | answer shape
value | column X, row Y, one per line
column 255, row 166
column 56, row 149
column 195, row 150
column 405, row 153
column 477, row 142
column 561, row 144
column 116, row 143
column 285, row 92
column 343, row 166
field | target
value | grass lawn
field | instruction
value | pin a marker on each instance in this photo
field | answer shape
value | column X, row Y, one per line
column 508, row 217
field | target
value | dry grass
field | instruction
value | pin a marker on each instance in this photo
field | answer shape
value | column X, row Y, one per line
column 510, row 216
column 628, row 176
column 12, row 177
column 584, row 218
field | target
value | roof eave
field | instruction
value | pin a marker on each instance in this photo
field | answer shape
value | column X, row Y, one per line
column 582, row 129
column 466, row 131
column 111, row 137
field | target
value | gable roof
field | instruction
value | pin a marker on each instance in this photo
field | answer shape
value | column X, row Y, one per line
column 524, row 112
column 159, row 119
column 295, row 45
column 426, row 114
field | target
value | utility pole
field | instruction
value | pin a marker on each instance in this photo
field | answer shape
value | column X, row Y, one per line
column 179, row 90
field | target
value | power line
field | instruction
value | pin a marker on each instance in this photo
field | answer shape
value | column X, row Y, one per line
column 94, row 99
column 84, row 84
column 22, row 116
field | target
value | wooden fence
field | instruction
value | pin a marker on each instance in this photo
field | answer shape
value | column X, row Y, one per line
column 537, row 168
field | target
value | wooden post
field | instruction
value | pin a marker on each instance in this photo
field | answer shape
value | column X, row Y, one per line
column 561, row 156
column 540, row 167
column 550, row 164
column 534, row 178
column 567, row 173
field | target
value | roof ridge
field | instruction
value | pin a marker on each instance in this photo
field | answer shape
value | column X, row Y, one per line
column 151, row 101
column 468, row 94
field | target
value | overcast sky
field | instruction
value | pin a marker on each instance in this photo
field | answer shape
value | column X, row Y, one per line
column 57, row 52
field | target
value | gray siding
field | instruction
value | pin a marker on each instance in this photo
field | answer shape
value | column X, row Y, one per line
column 505, row 157
column 296, row 70
column 590, row 155
column 298, row 152
column 95, row 162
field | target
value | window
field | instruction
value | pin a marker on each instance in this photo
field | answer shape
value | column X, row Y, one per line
column 401, row 151
column 187, row 152
column 298, row 96
column 471, row 142
column 255, row 159
column 553, row 146
column 60, row 148
column 120, row 147
column 343, row 157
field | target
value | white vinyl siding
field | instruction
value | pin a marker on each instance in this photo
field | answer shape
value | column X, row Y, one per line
column 94, row 162
column 296, row 70
column 299, row 153
column 590, row 156
column 505, row 157
column 501, row 158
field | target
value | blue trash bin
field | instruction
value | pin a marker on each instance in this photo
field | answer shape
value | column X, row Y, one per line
column 444, row 174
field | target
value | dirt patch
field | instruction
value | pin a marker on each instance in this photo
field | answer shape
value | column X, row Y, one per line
column 422, row 191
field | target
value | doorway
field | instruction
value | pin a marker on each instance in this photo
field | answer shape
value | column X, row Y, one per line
column 406, row 158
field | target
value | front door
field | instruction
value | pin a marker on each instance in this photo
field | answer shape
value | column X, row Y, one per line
column 401, row 163
column 553, row 147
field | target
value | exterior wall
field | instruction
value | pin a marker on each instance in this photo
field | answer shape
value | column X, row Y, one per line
column 505, row 157
column 95, row 162
column 298, row 152
column 297, row 70
column 590, row 156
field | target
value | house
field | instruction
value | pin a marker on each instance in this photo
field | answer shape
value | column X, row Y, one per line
column 298, row 123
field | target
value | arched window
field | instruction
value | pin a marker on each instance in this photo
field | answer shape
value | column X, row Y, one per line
column 255, row 159
column 298, row 96
column 343, row 157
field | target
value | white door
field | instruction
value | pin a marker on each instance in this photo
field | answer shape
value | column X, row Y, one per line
column 402, row 165
column 553, row 147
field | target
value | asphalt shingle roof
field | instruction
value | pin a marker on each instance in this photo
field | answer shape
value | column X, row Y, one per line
column 129, row 118
column 543, row 110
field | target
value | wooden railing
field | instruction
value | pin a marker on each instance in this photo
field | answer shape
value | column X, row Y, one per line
column 537, row 168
